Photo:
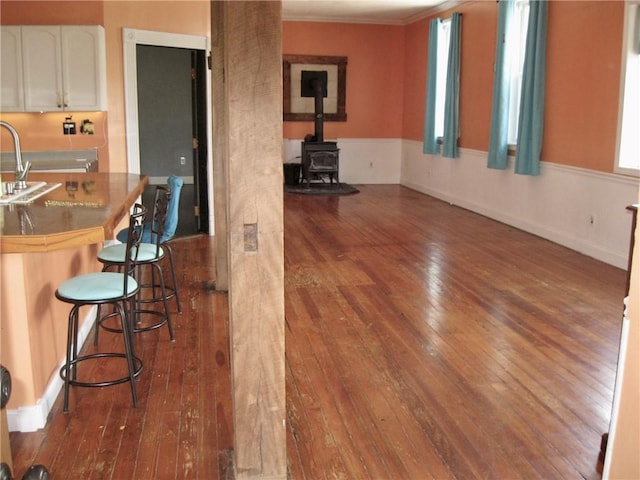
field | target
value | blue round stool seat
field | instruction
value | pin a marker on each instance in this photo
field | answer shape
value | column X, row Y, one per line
column 115, row 253
column 97, row 287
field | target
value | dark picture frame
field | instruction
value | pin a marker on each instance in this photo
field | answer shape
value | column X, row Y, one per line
column 340, row 115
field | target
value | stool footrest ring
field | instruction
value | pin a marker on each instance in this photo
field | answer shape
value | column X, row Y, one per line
column 135, row 329
column 154, row 326
column 171, row 293
column 137, row 364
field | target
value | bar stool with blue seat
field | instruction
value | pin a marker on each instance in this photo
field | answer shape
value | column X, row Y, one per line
column 175, row 184
column 104, row 288
column 150, row 254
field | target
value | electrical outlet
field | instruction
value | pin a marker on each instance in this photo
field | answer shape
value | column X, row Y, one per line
column 69, row 128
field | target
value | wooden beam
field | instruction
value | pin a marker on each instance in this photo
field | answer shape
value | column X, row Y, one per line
column 249, row 38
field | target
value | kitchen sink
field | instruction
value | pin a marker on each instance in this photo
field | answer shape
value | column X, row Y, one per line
column 33, row 191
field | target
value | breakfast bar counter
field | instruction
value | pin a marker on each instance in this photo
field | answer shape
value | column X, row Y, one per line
column 43, row 243
column 84, row 209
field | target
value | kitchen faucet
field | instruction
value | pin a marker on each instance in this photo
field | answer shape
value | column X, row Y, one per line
column 21, row 170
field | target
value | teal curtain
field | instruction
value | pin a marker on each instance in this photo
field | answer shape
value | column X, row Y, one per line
column 430, row 142
column 498, row 141
column 530, row 122
column 452, row 97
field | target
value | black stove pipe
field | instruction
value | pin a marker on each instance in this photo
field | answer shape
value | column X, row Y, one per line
column 318, row 110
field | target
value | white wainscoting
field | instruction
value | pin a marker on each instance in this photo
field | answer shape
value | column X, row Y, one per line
column 362, row 160
column 583, row 210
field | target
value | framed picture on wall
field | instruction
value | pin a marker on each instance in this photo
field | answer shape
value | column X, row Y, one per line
column 298, row 69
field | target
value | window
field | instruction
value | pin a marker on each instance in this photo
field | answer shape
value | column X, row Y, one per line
column 516, row 42
column 444, row 36
column 441, row 117
column 629, row 117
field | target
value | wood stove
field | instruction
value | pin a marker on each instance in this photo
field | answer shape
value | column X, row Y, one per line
column 319, row 158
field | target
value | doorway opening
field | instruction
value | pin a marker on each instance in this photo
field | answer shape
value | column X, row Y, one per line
column 168, row 117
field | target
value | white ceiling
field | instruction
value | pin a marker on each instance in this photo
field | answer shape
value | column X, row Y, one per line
column 389, row 12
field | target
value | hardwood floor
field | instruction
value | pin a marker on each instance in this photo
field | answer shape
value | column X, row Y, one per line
column 422, row 341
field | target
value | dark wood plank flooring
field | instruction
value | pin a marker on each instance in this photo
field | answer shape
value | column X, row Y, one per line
column 422, row 341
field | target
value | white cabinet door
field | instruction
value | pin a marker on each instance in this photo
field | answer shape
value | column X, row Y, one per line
column 84, row 68
column 42, row 63
column 64, row 68
column 11, row 94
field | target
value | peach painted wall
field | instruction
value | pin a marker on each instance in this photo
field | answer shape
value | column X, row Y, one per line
column 583, row 83
column 415, row 68
column 25, row 12
column 583, row 75
column 374, row 75
column 582, row 86
column 479, row 20
column 44, row 131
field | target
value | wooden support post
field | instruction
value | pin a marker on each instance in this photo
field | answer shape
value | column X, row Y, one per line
column 248, row 136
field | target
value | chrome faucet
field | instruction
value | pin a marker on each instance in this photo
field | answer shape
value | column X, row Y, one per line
column 21, row 169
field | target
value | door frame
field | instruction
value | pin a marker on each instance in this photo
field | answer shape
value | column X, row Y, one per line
column 131, row 37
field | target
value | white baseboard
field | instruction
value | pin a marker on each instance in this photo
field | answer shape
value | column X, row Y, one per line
column 34, row 417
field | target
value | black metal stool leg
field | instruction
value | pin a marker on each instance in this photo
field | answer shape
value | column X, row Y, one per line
column 97, row 326
column 173, row 275
column 69, row 365
column 165, row 302
column 128, row 348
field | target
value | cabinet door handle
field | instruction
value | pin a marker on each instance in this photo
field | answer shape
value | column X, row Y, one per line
column 64, row 103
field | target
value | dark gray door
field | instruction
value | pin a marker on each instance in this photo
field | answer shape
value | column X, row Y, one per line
column 168, row 106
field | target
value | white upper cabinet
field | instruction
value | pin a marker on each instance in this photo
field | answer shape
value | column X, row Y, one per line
column 11, row 94
column 64, row 68
column 84, row 68
column 42, row 64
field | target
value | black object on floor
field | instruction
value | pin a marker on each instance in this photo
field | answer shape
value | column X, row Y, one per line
column 318, row 188
column 291, row 173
